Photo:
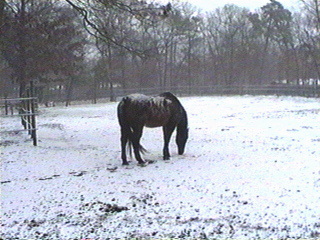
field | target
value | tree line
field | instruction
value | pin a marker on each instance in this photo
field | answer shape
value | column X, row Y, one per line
column 99, row 45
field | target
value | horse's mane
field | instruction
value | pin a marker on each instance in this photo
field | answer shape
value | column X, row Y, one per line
column 170, row 96
column 173, row 98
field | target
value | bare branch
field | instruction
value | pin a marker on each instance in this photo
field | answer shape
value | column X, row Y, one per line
column 137, row 11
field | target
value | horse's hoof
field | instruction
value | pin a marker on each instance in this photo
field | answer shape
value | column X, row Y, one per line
column 112, row 169
column 142, row 164
column 125, row 163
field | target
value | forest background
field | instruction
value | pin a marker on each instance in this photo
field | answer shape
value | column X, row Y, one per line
column 87, row 49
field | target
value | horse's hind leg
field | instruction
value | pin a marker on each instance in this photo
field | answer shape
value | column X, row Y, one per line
column 167, row 133
column 124, row 140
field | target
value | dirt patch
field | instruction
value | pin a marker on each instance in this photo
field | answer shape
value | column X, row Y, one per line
column 53, row 126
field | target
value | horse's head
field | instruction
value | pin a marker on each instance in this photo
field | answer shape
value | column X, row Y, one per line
column 181, row 139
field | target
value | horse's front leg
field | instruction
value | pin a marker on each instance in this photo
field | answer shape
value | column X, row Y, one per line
column 167, row 133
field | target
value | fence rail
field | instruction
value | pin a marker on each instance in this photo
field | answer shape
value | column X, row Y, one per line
column 89, row 93
column 287, row 90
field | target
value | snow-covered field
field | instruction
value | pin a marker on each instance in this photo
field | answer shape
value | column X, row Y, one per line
column 251, row 170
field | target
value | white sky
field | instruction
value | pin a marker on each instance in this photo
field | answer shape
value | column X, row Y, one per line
column 209, row 5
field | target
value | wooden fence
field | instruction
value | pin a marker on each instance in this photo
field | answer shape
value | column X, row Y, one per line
column 26, row 110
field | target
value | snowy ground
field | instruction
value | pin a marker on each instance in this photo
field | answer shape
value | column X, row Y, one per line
column 251, row 170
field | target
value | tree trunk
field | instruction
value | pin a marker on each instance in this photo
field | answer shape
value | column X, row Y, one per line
column 69, row 91
column 22, row 50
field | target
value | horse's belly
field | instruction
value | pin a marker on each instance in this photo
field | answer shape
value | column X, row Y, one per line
column 157, row 122
column 154, row 124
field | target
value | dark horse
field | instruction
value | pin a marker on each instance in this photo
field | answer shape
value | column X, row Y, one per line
column 137, row 110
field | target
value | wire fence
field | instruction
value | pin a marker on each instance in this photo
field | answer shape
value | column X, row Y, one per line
column 114, row 93
column 51, row 95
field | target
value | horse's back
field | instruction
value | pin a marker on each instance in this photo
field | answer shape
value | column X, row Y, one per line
column 148, row 111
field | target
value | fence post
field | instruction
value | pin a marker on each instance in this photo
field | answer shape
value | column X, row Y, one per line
column 22, row 111
column 28, row 103
column 32, row 111
column 33, row 122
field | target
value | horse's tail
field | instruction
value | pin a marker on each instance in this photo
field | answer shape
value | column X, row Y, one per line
column 126, row 130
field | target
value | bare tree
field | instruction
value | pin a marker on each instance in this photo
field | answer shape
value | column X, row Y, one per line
column 91, row 10
column 42, row 41
column 311, row 33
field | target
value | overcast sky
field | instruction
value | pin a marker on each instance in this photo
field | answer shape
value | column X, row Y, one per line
column 208, row 5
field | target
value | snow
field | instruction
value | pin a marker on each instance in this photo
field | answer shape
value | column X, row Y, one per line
column 251, row 170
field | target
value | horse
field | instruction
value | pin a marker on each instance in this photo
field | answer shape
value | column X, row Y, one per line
column 136, row 111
